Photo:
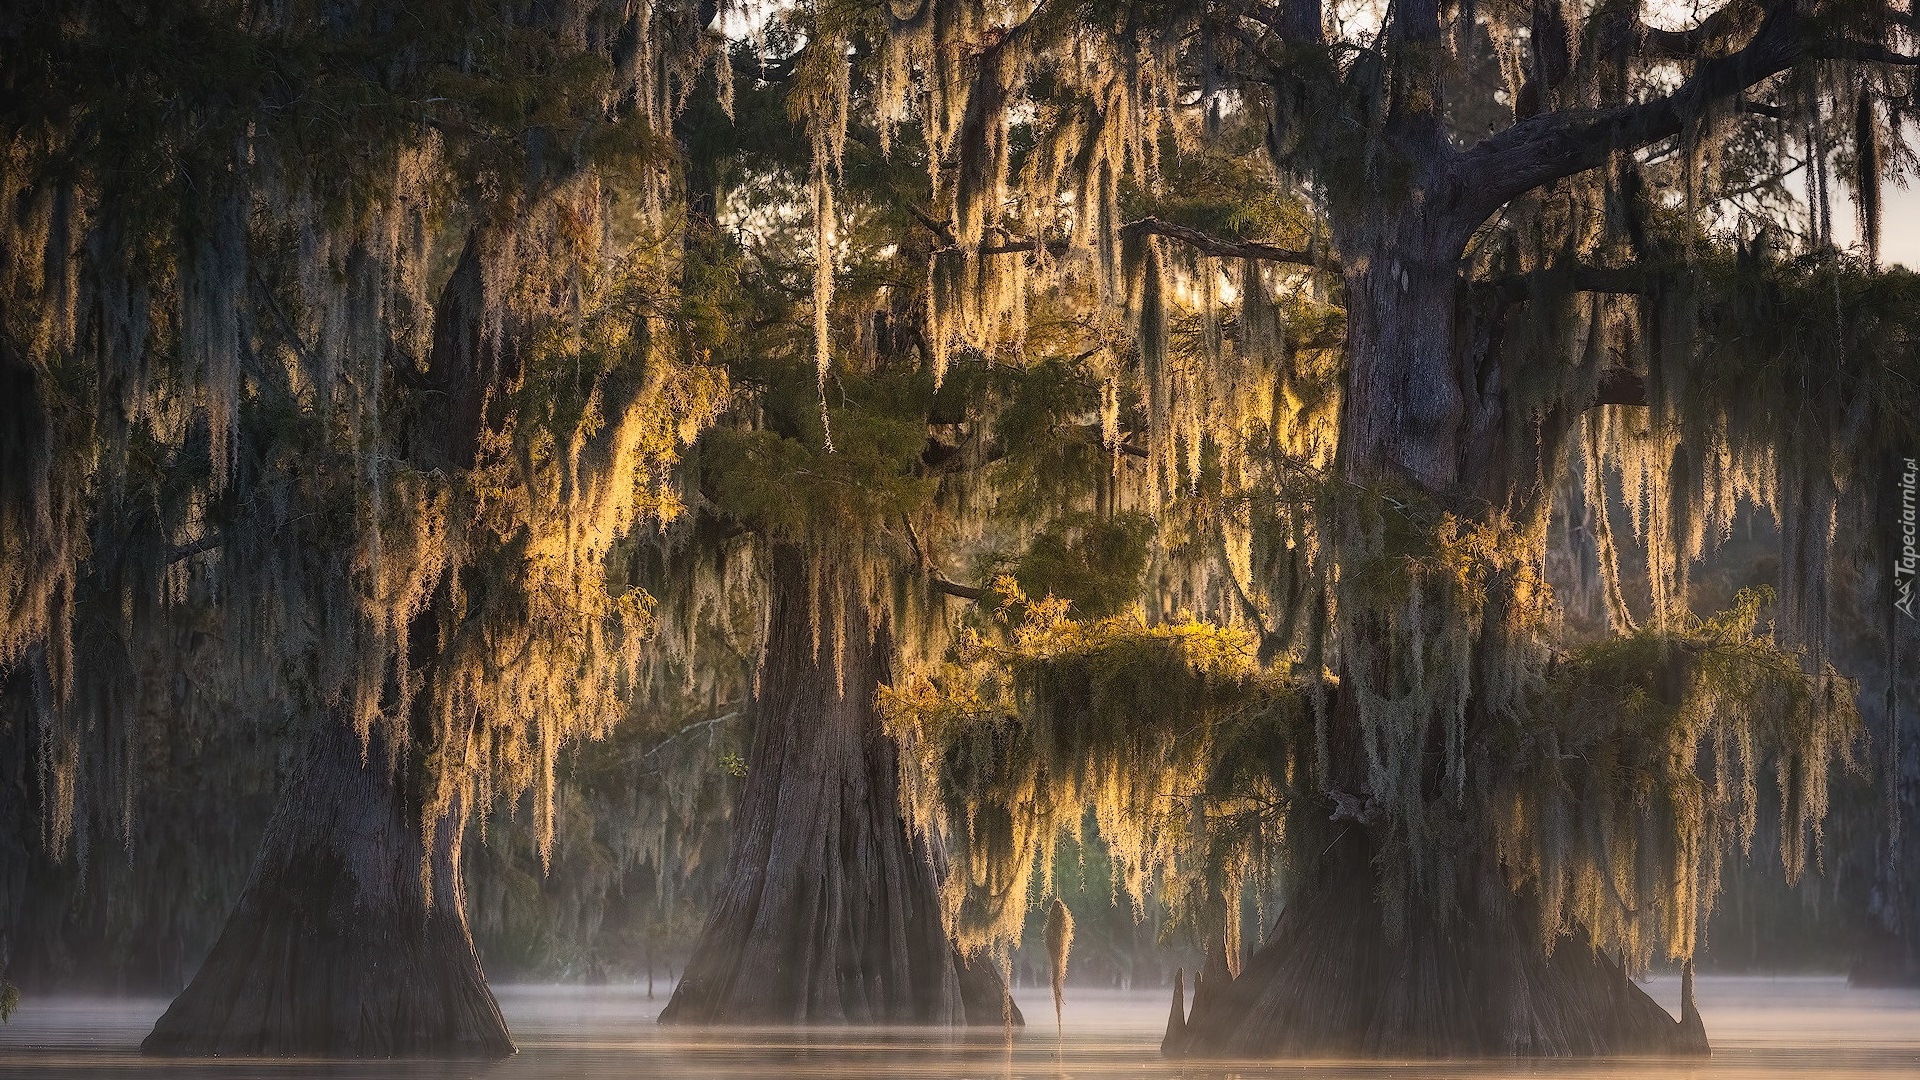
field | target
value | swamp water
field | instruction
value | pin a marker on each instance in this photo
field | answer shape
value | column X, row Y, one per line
column 1761, row 1029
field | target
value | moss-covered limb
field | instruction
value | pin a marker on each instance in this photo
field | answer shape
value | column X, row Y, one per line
column 1455, row 691
column 1168, row 736
column 1769, row 383
column 1646, row 767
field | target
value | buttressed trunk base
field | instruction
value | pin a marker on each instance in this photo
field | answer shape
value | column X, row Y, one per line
column 333, row 949
column 831, row 910
column 1333, row 982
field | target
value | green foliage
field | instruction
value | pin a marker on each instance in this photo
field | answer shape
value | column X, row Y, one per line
column 1152, row 730
column 1637, row 774
column 1094, row 565
column 784, row 482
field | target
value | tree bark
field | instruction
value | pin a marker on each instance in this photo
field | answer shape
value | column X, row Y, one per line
column 831, row 910
column 334, row 950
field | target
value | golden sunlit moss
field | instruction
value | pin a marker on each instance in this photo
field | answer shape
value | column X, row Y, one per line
column 1640, row 776
column 1156, row 730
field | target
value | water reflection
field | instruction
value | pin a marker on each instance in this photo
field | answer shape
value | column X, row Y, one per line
column 1764, row 1029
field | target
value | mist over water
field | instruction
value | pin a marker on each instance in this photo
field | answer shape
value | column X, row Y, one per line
column 1762, row 1028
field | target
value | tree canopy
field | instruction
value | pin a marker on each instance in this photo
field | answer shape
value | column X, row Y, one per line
column 1243, row 424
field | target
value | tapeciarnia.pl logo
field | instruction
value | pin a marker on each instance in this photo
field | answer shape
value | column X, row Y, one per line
column 1907, row 564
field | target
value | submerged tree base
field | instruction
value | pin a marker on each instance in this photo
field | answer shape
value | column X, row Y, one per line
column 831, row 911
column 1332, row 982
column 334, row 950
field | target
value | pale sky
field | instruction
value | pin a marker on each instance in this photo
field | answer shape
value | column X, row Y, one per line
column 1899, row 225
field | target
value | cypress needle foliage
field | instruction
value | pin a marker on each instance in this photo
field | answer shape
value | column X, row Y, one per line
column 1169, row 735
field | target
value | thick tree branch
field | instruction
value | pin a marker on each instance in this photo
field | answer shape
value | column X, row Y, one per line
column 1542, row 149
column 1205, row 243
column 1686, row 44
column 1625, row 280
column 1761, row 108
column 1213, row 245
column 954, row 588
column 189, row 550
column 1296, row 22
column 1545, row 148
column 1620, row 386
column 1865, row 52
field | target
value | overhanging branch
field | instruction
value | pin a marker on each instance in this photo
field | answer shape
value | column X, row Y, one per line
column 1622, row 280
column 189, row 550
column 1547, row 147
column 1620, row 386
column 1690, row 43
column 1205, row 243
column 1865, row 52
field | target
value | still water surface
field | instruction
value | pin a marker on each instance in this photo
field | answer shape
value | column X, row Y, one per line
column 1763, row 1029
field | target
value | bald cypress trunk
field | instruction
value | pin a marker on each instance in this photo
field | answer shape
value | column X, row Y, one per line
column 831, row 913
column 333, row 949
column 336, row 948
column 1463, row 975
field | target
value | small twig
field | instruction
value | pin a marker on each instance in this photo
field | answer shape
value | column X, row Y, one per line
column 280, row 317
column 690, row 728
